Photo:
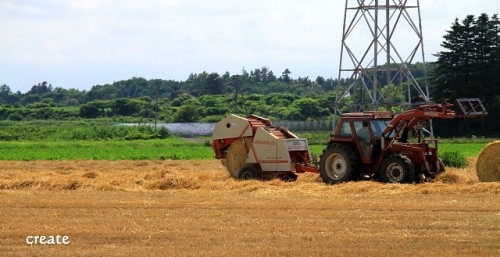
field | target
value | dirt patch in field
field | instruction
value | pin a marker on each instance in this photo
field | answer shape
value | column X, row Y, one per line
column 206, row 175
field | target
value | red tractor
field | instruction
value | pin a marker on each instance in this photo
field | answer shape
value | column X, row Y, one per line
column 390, row 148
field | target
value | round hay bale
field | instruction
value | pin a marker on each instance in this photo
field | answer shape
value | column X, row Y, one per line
column 488, row 163
column 237, row 155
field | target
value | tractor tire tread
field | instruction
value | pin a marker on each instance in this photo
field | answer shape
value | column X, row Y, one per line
column 354, row 163
column 409, row 170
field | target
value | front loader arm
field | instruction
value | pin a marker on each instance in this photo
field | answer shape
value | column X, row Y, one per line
column 410, row 118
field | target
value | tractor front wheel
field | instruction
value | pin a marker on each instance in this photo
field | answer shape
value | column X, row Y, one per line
column 339, row 163
column 397, row 169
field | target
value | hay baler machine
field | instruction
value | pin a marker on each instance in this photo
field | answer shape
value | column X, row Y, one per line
column 253, row 147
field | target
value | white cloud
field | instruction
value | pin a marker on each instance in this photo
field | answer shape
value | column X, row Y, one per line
column 73, row 43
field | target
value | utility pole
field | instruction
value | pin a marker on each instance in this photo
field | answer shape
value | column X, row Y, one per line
column 379, row 69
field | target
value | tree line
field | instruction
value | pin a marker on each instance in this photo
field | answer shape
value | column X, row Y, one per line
column 259, row 81
column 468, row 67
column 201, row 97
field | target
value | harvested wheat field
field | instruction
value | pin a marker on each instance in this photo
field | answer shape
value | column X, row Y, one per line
column 194, row 208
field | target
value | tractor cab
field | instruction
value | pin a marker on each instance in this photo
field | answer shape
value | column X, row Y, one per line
column 363, row 132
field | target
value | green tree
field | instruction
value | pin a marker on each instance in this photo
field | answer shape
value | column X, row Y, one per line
column 468, row 67
column 213, row 84
column 126, row 107
column 187, row 113
column 308, row 107
column 6, row 95
column 182, row 99
column 285, row 76
column 95, row 109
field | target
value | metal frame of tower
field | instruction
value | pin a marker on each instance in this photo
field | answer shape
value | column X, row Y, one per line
column 377, row 70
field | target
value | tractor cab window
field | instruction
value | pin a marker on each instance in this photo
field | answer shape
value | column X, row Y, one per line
column 378, row 126
column 363, row 133
column 346, row 130
column 362, row 130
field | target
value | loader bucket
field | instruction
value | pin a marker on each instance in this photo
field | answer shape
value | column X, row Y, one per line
column 469, row 108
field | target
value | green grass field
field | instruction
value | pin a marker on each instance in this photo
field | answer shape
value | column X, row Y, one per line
column 102, row 140
column 173, row 148
column 467, row 149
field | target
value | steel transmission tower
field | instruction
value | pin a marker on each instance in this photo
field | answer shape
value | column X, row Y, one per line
column 382, row 51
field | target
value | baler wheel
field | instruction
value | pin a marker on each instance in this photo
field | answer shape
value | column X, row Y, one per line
column 248, row 172
column 289, row 177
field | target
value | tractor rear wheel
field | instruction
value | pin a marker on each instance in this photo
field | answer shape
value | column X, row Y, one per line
column 248, row 172
column 339, row 163
column 397, row 168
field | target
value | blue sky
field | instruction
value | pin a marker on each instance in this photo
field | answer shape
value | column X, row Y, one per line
column 78, row 44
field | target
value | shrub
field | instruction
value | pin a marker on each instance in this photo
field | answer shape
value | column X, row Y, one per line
column 5, row 136
column 15, row 117
column 163, row 132
column 454, row 159
column 138, row 136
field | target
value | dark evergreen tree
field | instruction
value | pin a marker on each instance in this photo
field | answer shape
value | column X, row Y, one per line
column 468, row 67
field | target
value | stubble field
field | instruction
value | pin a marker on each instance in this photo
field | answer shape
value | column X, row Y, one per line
column 193, row 208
